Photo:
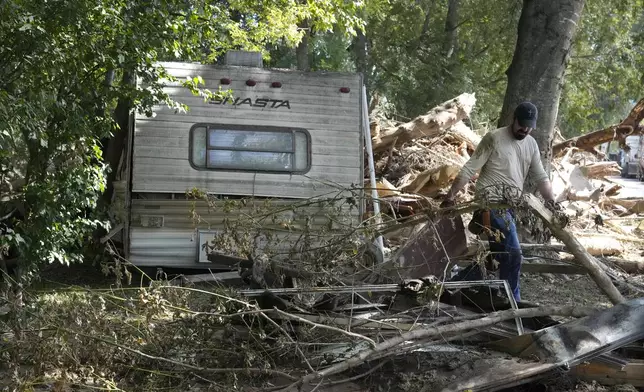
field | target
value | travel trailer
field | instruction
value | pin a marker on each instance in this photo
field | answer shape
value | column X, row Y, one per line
column 284, row 135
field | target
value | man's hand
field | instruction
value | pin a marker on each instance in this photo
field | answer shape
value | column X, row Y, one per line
column 448, row 202
column 553, row 207
column 558, row 213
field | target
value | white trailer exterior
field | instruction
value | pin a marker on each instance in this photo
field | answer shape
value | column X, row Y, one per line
column 300, row 139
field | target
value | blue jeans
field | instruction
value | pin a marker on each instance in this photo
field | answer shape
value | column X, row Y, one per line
column 507, row 250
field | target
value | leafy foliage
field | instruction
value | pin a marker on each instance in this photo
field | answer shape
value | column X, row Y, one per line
column 605, row 76
column 410, row 70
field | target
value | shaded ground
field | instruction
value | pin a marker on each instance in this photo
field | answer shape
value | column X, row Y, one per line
column 552, row 289
column 421, row 371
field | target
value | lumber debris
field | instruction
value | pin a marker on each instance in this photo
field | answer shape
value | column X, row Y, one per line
column 601, row 169
column 430, row 182
column 431, row 124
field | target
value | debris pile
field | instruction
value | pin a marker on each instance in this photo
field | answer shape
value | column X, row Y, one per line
column 360, row 328
column 606, row 228
column 417, row 161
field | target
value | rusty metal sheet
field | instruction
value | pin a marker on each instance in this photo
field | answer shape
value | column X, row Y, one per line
column 429, row 250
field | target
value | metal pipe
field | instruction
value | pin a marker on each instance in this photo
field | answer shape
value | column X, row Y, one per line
column 365, row 288
column 513, row 304
column 373, row 288
column 372, row 169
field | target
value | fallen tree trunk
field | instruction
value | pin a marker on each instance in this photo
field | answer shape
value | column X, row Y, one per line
column 429, row 182
column 597, row 245
column 461, row 133
column 437, row 120
column 629, row 266
column 601, row 169
column 629, row 126
column 576, row 249
column 441, row 331
column 601, row 245
column 633, row 206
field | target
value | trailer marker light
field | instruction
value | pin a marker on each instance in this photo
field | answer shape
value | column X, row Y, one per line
column 250, row 82
column 224, row 81
column 345, row 90
column 276, row 84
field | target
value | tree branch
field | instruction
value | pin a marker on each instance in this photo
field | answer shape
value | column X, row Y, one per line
column 176, row 363
column 322, row 326
column 491, row 319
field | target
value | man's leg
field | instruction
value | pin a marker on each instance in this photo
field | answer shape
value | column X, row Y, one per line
column 507, row 249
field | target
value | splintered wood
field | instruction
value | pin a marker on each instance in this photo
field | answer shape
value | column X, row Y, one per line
column 431, row 124
column 418, row 160
column 424, row 155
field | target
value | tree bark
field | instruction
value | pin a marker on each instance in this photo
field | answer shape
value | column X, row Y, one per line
column 302, row 50
column 116, row 145
column 545, row 35
column 360, row 51
column 450, row 44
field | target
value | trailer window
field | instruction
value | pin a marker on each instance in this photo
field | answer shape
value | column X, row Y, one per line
column 250, row 148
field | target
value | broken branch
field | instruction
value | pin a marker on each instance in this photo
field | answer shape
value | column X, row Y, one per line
column 581, row 255
column 490, row 319
column 629, row 126
column 322, row 326
column 430, row 124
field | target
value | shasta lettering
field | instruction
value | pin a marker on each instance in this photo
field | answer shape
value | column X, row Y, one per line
column 257, row 103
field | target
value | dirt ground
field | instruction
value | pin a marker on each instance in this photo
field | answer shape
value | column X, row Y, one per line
column 552, row 289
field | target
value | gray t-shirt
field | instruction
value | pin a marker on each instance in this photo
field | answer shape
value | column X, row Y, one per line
column 502, row 159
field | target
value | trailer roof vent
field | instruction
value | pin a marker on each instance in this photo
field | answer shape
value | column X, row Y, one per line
column 244, row 59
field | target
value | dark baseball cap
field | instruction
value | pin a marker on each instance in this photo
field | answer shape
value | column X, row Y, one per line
column 526, row 113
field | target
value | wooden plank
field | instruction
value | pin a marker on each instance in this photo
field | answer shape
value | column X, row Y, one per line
column 551, row 268
column 219, row 277
column 631, row 374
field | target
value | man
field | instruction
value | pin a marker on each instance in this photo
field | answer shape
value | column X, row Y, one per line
column 505, row 157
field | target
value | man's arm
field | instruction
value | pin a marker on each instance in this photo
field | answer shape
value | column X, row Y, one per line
column 539, row 175
column 456, row 187
column 471, row 167
column 545, row 188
